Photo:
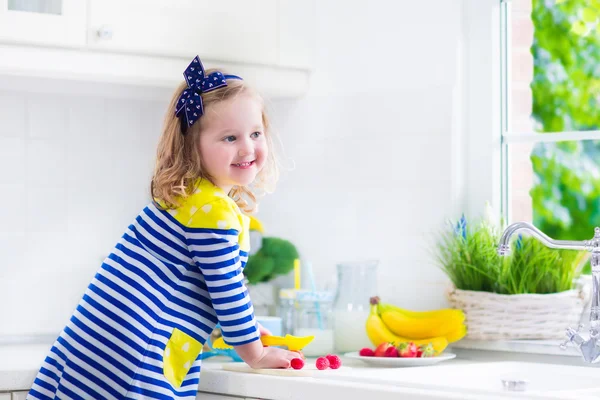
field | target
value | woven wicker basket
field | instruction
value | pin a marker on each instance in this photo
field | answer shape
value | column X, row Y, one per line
column 492, row 316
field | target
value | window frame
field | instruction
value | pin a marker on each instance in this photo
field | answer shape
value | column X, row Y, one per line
column 483, row 107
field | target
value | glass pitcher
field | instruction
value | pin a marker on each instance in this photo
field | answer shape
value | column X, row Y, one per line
column 357, row 282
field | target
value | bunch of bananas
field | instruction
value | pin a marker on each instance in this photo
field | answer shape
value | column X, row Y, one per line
column 391, row 324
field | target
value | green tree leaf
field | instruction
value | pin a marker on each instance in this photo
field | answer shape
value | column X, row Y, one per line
column 579, row 28
column 589, row 15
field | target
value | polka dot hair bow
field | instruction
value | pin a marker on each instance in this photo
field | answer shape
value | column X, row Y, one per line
column 189, row 106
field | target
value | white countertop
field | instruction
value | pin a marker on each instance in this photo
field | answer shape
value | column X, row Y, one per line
column 20, row 363
column 546, row 347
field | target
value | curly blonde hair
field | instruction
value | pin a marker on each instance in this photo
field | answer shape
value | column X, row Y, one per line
column 178, row 161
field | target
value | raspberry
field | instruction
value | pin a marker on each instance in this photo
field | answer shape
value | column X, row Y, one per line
column 297, row 363
column 334, row 361
column 322, row 363
column 366, row 352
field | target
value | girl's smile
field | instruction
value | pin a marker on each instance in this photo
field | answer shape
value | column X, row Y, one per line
column 245, row 164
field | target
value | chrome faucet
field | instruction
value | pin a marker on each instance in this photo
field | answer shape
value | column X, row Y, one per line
column 590, row 349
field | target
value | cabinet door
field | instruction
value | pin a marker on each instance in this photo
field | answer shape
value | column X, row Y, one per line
column 297, row 33
column 45, row 22
column 5, row 396
column 18, row 396
column 225, row 30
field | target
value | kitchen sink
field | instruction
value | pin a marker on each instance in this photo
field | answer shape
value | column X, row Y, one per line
column 500, row 378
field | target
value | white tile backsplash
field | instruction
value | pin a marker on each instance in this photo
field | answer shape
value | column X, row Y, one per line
column 12, row 115
column 46, row 162
column 74, row 172
column 124, row 124
column 46, row 209
column 12, row 202
column 13, row 248
column 86, row 122
column 46, row 116
column 12, row 160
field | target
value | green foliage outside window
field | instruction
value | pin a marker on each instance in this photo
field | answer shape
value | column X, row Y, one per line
column 566, row 97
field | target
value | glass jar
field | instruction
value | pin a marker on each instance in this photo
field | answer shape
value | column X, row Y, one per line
column 314, row 318
column 286, row 310
column 357, row 282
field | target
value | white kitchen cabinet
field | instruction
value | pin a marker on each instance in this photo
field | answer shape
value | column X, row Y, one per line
column 59, row 23
column 5, row 396
column 148, row 43
column 225, row 30
column 18, row 396
column 297, row 33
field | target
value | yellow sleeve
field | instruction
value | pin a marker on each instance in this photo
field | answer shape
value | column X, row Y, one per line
column 216, row 214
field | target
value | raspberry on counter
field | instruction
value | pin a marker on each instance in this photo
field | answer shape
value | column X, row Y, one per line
column 297, row 363
column 322, row 363
column 334, row 361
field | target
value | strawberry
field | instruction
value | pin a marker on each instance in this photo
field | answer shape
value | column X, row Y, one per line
column 407, row 349
column 322, row 363
column 391, row 352
column 426, row 351
column 381, row 349
column 366, row 352
column 334, row 361
column 297, row 363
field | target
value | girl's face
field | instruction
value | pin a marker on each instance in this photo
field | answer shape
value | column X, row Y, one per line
column 233, row 146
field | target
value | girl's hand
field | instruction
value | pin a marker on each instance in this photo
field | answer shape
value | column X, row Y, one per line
column 258, row 356
column 273, row 357
column 264, row 331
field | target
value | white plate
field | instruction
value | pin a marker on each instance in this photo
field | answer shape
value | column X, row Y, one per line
column 397, row 362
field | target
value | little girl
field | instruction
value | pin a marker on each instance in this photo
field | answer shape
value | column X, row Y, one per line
column 138, row 331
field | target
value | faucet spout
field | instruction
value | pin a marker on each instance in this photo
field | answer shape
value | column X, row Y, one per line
column 504, row 246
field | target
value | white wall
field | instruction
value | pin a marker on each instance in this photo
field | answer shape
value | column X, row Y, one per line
column 74, row 172
column 378, row 146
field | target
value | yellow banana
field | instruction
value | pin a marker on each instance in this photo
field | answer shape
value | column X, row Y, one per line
column 444, row 314
column 456, row 335
column 379, row 333
column 418, row 328
column 428, row 324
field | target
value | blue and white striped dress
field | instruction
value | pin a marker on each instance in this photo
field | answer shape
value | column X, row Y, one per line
column 138, row 331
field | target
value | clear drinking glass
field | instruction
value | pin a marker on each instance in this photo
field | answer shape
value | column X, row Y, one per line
column 357, row 282
column 314, row 318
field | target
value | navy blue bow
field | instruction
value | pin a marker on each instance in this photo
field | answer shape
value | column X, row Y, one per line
column 189, row 106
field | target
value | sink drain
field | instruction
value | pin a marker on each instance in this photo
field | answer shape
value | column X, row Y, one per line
column 514, row 385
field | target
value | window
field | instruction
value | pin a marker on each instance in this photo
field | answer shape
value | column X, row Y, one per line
column 36, row 6
column 551, row 115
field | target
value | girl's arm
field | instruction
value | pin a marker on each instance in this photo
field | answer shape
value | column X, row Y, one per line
column 216, row 254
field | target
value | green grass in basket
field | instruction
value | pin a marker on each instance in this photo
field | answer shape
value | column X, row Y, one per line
column 467, row 254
